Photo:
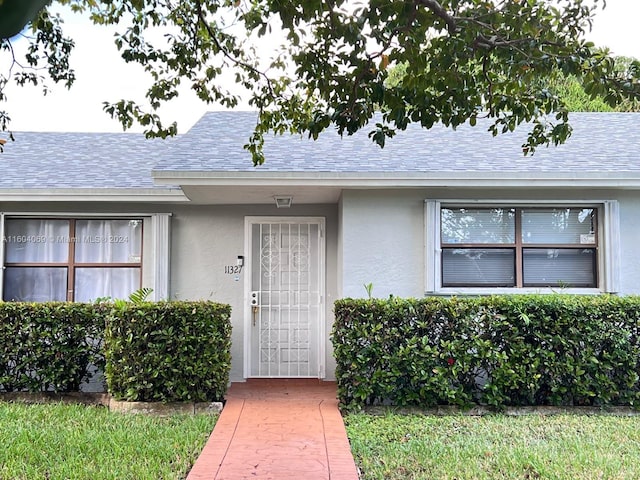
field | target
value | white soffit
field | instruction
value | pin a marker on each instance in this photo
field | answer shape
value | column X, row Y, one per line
column 260, row 194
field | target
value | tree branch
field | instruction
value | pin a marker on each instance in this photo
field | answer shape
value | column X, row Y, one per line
column 485, row 73
column 395, row 32
column 240, row 63
column 440, row 12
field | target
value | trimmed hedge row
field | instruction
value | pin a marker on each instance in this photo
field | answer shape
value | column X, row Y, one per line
column 49, row 346
column 168, row 351
column 499, row 351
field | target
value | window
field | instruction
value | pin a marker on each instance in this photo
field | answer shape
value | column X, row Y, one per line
column 71, row 259
column 519, row 247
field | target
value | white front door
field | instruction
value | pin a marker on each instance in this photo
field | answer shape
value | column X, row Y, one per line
column 285, row 286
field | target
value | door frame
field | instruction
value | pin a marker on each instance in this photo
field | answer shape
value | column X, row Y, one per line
column 249, row 221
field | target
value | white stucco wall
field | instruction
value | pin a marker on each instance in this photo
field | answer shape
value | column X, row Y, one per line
column 382, row 234
column 629, row 243
column 206, row 238
column 382, row 243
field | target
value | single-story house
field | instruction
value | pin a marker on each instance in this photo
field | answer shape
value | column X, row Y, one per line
column 436, row 212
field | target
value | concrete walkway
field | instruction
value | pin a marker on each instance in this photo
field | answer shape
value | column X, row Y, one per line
column 279, row 430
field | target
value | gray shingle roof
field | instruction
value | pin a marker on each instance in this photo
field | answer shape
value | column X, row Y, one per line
column 607, row 143
column 601, row 142
column 79, row 160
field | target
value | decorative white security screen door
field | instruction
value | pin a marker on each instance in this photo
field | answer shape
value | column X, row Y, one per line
column 285, row 290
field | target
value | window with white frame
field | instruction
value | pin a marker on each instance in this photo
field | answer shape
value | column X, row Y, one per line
column 58, row 259
column 479, row 247
column 519, row 247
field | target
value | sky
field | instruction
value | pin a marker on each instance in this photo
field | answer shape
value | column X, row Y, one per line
column 102, row 75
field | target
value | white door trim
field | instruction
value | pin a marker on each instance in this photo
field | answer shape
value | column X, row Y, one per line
column 321, row 335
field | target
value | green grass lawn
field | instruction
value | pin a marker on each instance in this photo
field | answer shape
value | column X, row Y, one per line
column 571, row 447
column 79, row 442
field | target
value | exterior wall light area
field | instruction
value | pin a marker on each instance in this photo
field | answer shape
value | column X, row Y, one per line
column 283, row 201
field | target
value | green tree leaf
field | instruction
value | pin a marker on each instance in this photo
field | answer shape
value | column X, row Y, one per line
column 332, row 64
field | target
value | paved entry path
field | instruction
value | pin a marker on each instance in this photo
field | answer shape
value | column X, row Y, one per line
column 278, row 430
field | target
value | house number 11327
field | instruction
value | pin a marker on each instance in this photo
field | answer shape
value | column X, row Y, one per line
column 232, row 269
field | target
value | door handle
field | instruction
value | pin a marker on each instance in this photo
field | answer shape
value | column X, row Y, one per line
column 254, row 310
column 255, row 305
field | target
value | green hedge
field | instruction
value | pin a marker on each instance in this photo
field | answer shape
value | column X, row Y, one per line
column 168, row 351
column 508, row 350
column 49, row 346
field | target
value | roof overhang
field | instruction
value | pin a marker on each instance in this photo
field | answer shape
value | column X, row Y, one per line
column 224, row 187
column 149, row 195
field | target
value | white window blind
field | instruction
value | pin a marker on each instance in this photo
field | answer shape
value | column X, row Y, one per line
column 467, row 225
column 478, row 267
column 558, row 226
column 559, row 267
column 518, row 247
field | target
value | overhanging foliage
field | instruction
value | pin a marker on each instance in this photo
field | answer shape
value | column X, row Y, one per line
column 464, row 59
